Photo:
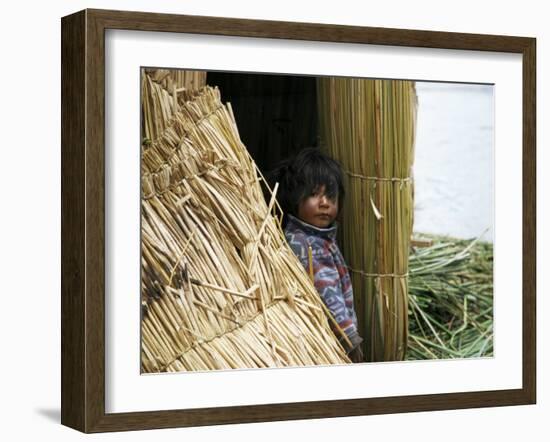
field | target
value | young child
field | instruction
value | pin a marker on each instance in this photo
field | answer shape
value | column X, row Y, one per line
column 311, row 192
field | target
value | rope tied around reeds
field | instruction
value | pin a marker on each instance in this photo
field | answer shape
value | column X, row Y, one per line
column 379, row 275
column 380, row 179
column 157, row 184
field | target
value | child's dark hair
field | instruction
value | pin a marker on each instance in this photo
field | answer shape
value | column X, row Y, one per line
column 302, row 175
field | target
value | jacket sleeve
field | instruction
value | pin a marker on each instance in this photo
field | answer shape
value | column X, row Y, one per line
column 328, row 284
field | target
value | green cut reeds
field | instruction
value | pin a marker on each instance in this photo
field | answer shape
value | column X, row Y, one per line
column 451, row 299
column 369, row 127
column 221, row 288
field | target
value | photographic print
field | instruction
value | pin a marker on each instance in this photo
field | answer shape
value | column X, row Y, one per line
column 234, row 205
column 292, row 220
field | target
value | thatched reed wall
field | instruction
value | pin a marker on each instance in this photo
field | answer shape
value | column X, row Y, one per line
column 369, row 127
column 220, row 287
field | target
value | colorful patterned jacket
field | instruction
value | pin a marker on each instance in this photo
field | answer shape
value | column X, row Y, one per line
column 331, row 276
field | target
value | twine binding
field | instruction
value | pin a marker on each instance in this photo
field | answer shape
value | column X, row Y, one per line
column 378, row 275
column 379, row 179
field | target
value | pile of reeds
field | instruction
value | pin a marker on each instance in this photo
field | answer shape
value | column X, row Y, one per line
column 220, row 286
column 369, row 127
column 451, row 300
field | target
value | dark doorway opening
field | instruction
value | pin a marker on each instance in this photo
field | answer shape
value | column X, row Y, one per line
column 276, row 114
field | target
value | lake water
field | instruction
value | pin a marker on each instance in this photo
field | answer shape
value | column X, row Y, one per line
column 454, row 160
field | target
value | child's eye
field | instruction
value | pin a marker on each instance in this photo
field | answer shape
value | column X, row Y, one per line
column 328, row 196
column 314, row 192
column 321, row 192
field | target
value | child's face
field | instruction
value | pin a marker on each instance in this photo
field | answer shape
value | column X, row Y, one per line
column 318, row 209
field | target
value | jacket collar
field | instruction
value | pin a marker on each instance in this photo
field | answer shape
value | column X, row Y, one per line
column 295, row 223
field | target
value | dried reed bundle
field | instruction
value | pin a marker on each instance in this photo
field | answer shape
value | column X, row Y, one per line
column 369, row 127
column 162, row 92
column 220, row 286
column 177, row 78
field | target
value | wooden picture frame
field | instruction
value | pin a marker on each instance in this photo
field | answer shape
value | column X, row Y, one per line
column 83, row 220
